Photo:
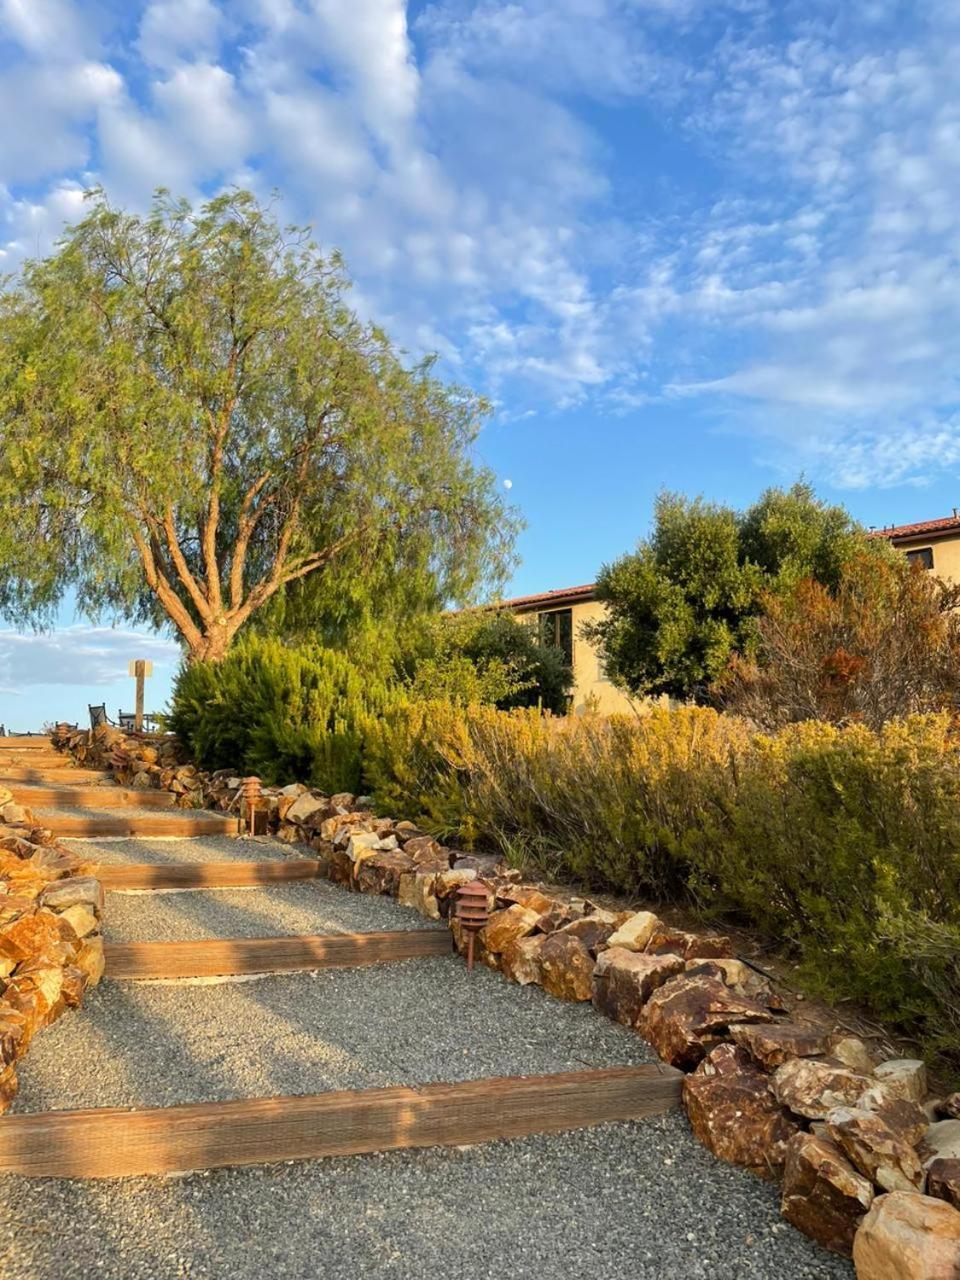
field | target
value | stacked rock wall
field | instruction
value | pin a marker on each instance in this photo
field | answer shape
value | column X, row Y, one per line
column 848, row 1137
column 50, row 943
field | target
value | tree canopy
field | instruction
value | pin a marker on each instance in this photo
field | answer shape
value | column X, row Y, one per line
column 688, row 597
column 194, row 423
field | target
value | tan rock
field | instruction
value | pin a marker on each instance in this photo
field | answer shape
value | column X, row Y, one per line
column 13, row 1026
column 8, row 1088
column 380, row 873
column 908, row 1120
column 566, row 967
column 903, row 1078
column 81, row 919
column 853, row 1053
column 690, row 1014
column 874, row 1149
column 823, row 1195
column 85, row 890
column 591, row 931
column 906, row 1236
column 90, row 960
column 943, row 1180
column 812, row 1088
column 624, row 980
column 772, row 1046
column 507, row 926
column 635, row 933
column 520, row 959
column 733, row 1112
column 942, row 1141
column 734, row 973
column 949, row 1107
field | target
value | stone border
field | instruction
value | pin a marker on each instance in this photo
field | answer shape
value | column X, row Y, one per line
column 869, row 1163
column 51, row 949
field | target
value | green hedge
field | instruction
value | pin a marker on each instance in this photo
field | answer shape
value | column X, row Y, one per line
column 285, row 714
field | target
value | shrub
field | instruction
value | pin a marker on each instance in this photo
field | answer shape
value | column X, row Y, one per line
column 843, row 844
column 281, row 713
column 884, row 644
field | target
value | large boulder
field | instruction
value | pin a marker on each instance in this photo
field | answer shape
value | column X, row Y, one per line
column 733, row 1112
column 904, row 1078
column 686, row 1017
column 593, row 931
column 689, row 945
column 823, row 1195
column 908, row 1237
column 813, row 1088
column 772, row 1046
column 566, row 967
column 308, row 811
column 875, row 1149
column 624, row 980
column 520, row 960
column 942, row 1141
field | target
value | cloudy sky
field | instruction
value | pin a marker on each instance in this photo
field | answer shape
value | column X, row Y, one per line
column 706, row 244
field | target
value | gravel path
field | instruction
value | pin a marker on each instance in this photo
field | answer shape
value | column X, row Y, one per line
column 641, row 1201
column 311, row 906
column 192, row 849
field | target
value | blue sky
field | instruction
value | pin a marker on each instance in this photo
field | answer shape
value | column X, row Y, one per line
column 681, row 243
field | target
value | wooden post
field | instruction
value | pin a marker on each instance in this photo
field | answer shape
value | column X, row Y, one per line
column 140, row 668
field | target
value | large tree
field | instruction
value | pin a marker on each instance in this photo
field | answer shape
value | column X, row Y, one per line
column 688, row 598
column 194, row 422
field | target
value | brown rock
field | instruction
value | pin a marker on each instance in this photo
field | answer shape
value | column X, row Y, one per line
column 689, row 1015
column 566, row 967
column 874, row 1149
column 507, row 926
column 73, row 986
column 689, row 945
column 8, row 1088
column 949, row 1107
column 812, row 1088
column 520, row 960
column 381, row 872
column 823, row 1195
column 527, row 896
column 34, row 935
column 734, row 973
column 591, row 931
column 908, row 1237
column 772, row 1046
column 81, row 919
column 90, row 959
column 908, row 1120
column 943, row 1180
column 77, row 889
column 853, row 1053
column 12, row 1028
column 624, row 980
column 734, row 1114
column 421, row 847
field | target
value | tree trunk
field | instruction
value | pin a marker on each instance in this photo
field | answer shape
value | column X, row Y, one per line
column 214, row 646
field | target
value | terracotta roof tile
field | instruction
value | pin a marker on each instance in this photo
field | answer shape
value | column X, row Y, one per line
column 920, row 528
column 561, row 596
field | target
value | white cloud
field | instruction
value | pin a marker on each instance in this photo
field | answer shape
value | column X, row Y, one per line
column 175, row 30
column 78, row 655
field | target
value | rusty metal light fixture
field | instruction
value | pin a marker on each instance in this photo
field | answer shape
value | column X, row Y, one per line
column 472, row 912
column 250, row 790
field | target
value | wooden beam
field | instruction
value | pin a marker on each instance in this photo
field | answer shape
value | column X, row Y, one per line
column 26, row 742
column 181, row 823
column 60, row 771
column 205, row 875
column 113, row 1142
column 221, row 957
column 69, row 797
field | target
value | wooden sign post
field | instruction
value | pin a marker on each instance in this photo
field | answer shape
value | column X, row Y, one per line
column 140, row 668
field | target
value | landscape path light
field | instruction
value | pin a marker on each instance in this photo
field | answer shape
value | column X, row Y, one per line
column 472, row 912
column 251, row 790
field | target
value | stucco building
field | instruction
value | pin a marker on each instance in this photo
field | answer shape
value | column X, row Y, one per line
column 935, row 544
column 559, row 617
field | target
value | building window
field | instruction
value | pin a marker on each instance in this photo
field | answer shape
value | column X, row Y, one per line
column 556, row 628
column 923, row 556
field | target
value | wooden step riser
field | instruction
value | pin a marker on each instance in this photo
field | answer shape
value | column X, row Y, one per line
column 115, row 1143
column 76, row 826
column 33, row 760
column 205, row 875
column 231, row 957
column 21, row 742
column 92, row 798
column 63, row 777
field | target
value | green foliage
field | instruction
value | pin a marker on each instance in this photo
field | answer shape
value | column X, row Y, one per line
column 688, row 597
column 280, row 713
column 195, row 426
column 483, row 656
column 840, row 843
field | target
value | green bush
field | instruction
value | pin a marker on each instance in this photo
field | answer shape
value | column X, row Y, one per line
column 285, row 714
